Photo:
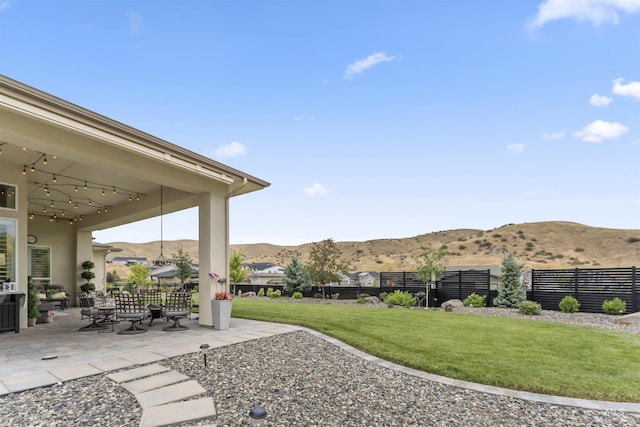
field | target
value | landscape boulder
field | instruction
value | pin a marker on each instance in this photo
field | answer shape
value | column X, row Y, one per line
column 451, row 304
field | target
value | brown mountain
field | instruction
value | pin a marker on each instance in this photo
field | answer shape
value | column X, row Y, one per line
column 538, row 245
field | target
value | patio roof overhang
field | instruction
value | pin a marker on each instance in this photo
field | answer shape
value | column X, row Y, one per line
column 63, row 148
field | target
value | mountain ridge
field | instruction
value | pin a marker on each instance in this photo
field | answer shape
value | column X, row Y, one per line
column 540, row 245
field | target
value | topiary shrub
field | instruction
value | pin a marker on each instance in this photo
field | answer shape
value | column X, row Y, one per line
column 475, row 300
column 297, row 295
column 261, row 292
column 569, row 305
column 530, row 308
column 274, row 294
column 404, row 299
column 615, row 306
column 269, row 292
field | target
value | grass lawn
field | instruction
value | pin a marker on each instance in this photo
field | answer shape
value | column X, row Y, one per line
column 527, row 355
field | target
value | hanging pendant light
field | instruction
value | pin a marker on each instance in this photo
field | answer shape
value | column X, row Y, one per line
column 161, row 260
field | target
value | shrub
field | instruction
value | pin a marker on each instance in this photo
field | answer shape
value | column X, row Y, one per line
column 633, row 239
column 530, row 308
column 261, row 292
column 363, row 295
column 297, row 295
column 361, row 301
column 382, row 296
column 615, row 306
column 269, row 292
column 475, row 300
column 317, row 295
column 404, row 299
column 335, row 296
column 569, row 305
column 274, row 294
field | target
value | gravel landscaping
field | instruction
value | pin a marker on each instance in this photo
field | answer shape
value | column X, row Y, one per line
column 303, row 380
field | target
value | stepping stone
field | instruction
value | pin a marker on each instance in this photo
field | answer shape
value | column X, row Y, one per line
column 28, row 381
column 68, row 373
column 172, row 393
column 179, row 412
column 154, row 381
column 134, row 374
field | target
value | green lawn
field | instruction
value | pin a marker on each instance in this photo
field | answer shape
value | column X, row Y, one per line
column 527, row 355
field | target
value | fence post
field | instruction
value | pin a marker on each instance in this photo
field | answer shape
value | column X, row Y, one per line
column 575, row 283
column 634, row 294
column 533, row 285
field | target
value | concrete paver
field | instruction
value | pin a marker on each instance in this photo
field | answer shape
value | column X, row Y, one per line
column 154, row 381
column 171, row 393
column 174, row 413
column 136, row 373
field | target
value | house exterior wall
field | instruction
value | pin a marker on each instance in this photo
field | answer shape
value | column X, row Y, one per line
column 13, row 175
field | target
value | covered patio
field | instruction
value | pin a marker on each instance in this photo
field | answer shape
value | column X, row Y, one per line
column 66, row 171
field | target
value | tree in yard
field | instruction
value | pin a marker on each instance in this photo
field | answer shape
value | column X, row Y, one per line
column 184, row 265
column 139, row 275
column 325, row 263
column 237, row 273
column 429, row 267
column 295, row 277
column 510, row 293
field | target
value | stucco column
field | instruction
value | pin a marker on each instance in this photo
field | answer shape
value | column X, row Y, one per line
column 213, row 250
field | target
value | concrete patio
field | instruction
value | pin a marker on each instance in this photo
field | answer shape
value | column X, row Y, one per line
column 56, row 352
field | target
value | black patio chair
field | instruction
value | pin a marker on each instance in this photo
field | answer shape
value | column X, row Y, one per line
column 176, row 307
column 131, row 307
column 88, row 309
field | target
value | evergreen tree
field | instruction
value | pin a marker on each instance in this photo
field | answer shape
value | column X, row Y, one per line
column 510, row 293
column 295, row 277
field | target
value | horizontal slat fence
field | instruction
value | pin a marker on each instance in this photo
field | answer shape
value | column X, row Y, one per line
column 590, row 286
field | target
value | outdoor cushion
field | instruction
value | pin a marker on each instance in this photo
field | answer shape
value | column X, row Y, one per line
column 58, row 295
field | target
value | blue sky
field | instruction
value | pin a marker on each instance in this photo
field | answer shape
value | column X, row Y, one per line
column 371, row 119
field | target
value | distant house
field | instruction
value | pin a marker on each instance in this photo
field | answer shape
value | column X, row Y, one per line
column 129, row 260
column 264, row 273
column 168, row 273
column 367, row 279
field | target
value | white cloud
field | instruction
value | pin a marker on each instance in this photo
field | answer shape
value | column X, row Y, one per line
column 599, row 100
column 135, row 22
column 600, row 130
column 515, row 148
column 632, row 89
column 315, row 190
column 304, row 118
column 597, row 12
column 5, row 5
column 232, row 149
column 368, row 62
column 553, row 135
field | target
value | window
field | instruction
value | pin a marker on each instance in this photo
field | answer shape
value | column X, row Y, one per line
column 7, row 250
column 39, row 264
column 7, row 196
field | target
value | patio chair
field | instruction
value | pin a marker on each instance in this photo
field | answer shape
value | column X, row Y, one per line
column 88, row 309
column 131, row 307
column 176, row 307
column 153, row 302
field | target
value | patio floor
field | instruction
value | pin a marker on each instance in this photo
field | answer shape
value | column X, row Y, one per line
column 56, row 352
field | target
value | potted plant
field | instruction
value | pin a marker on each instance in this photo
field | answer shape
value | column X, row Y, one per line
column 32, row 303
column 87, row 275
column 221, row 310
